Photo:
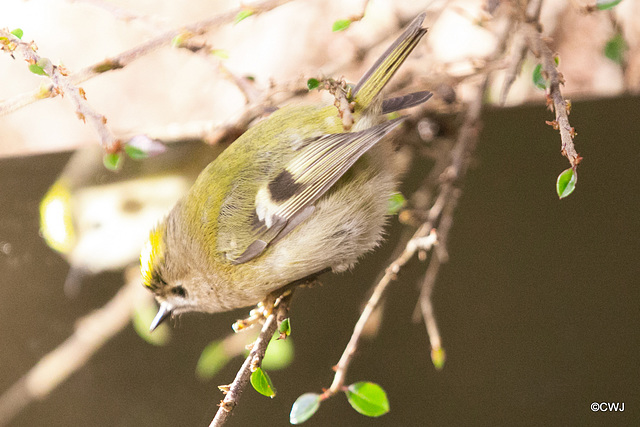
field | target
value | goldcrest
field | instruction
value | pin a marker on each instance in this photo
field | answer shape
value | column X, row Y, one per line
column 299, row 193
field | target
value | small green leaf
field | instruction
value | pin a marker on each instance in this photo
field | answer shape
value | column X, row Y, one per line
column 279, row 354
column 606, row 4
column 615, row 48
column 304, row 407
column 538, row 80
column 141, row 147
column 368, row 398
column 178, row 40
column 341, row 24
column 262, row 383
column 135, row 153
column 212, row 359
column 242, row 15
column 220, row 53
column 142, row 317
column 556, row 59
column 112, row 161
column 438, row 358
column 18, row 33
column 312, row 83
column 285, row 327
column 396, row 203
column 36, row 69
column 566, row 182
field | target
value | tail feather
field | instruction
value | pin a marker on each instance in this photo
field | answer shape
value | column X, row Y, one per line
column 406, row 101
column 385, row 67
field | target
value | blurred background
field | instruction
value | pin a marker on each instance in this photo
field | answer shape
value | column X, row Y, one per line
column 537, row 306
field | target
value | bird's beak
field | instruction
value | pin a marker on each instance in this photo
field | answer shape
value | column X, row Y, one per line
column 163, row 313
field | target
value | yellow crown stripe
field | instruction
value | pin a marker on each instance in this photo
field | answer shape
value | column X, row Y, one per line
column 150, row 255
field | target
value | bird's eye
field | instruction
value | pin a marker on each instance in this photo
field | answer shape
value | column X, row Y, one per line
column 179, row 291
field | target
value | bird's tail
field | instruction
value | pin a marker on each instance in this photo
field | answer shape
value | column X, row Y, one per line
column 385, row 67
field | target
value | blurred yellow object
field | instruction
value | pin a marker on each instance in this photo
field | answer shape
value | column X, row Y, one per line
column 98, row 220
column 56, row 219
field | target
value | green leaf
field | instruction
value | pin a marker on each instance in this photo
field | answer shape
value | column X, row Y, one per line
column 18, row 33
column 112, row 161
column 220, row 53
column 36, row 69
column 312, row 83
column 368, row 398
column 539, row 81
column 135, row 153
column 141, row 147
column 566, row 182
column 615, row 48
column 285, row 327
column 178, row 40
column 212, row 359
column 279, row 354
column 142, row 317
column 606, row 4
column 262, row 383
column 396, row 203
column 242, row 15
column 304, row 407
column 438, row 358
column 341, row 24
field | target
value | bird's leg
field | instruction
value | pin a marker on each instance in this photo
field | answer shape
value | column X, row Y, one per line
column 266, row 306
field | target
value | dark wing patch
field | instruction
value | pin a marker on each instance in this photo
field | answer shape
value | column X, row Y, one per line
column 306, row 178
column 283, row 186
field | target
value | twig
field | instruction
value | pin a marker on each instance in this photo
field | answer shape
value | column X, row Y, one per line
column 91, row 333
column 125, row 58
column 519, row 48
column 258, row 350
column 550, row 71
column 63, row 86
column 423, row 239
column 122, row 14
column 440, row 215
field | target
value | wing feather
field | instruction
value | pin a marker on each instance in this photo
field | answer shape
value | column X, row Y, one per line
column 287, row 200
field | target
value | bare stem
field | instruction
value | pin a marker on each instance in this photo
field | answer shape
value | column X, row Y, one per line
column 550, row 71
column 63, row 85
column 127, row 57
column 423, row 239
column 254, row 359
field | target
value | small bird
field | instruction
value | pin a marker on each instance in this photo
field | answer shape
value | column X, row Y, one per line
column 302, row 192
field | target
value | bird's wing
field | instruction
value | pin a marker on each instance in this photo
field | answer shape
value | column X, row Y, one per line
column 288, row 199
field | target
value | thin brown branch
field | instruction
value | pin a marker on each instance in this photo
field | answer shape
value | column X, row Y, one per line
column 253, row 360
column 532, row 10
column 519, row 48
column 127, row 57
column 423, row 239
column 63, row 86
column 550, row 71
column 91, row 333
column 123, row 14
column 440, row 215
